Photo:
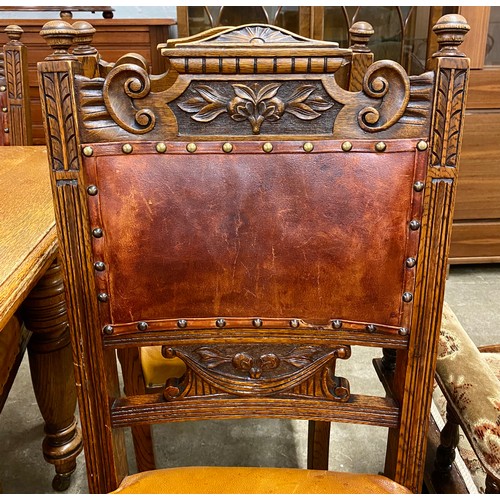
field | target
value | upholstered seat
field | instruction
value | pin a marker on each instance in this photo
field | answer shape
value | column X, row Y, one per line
column 255, row 480
column 156, row 369
column 470, row 382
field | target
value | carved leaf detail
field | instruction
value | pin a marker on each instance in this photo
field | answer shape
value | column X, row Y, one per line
column 213, row 357
column 301, row 356
column 302, row 111
column 255, row 104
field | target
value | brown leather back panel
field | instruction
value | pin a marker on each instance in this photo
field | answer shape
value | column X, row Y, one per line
column 283, row 235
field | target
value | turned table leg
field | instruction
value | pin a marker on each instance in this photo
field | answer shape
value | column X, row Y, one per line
column 51, row 366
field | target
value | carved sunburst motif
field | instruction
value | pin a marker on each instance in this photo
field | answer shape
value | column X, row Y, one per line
column 255, row 35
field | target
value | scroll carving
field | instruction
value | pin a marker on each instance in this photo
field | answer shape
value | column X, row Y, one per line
column 255, row 103
column 305, row 371
column 129, row 101
column 131, row 77
column 389, row 82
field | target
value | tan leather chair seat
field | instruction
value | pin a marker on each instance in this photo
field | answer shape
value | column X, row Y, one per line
column 156, row 369
column 255, row 480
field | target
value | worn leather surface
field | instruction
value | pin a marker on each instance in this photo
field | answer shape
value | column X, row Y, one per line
column 255, row 480
column 253, row 235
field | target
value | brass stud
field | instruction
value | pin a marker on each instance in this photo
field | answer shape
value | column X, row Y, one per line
column 294, row 323
column 403, row 331
column 267, row 147
column 3, row 88
column 414, row 225
column 5, row 110
column 103, row 297
column 168, row 352
column 191, row 147
column 308, row 147
column 346, row 146
column 108, row 329
column 6, row 130
column 422, row 145
column 161, row 147
column 92, row 190
column 127, row 148
column 371, row 328
column 88, row 151
column 410, row 262
column 220, row 323
column 380, row 146
column 142, row 325
column 337, row 323
column 97, row 232
column 407, row 297
column 99, row 266
column 257, row 322
column 227, row 147
column 418, row 186
column 182, row 323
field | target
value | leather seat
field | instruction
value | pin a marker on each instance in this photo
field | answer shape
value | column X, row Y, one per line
column 156, row 369
column 255, row 480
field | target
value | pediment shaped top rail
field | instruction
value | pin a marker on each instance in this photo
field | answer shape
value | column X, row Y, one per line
column 256, row 46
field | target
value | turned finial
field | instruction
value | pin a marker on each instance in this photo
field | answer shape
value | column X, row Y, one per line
column 84, row 33
column 361, row 32
column 14, row 32
column 59, row 36
column 450, row 31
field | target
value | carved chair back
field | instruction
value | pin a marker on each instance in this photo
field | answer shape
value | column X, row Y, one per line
column 14, row 91
column 256, row 220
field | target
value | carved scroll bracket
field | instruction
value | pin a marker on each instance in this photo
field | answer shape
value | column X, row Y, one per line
column 382, row 101
column 129, row 76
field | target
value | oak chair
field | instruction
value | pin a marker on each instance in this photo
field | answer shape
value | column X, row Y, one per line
column 254, row 219
column 42, row 326
column 145, row 369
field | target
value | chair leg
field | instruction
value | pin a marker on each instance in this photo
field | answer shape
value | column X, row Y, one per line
column 492, row 485
column 134, row 384
column 445, row 454
column 318, row 445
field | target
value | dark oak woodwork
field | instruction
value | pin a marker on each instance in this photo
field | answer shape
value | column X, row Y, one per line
column 254, row 218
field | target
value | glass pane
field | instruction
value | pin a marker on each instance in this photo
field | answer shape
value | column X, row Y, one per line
column 198, row 20
column 235, row 16
column 493, row 41
column 415, row 40
column 288, row 18
column 386, row 42
column 336, row 27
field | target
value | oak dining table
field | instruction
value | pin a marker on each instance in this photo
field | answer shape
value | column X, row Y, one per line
column 32, row 304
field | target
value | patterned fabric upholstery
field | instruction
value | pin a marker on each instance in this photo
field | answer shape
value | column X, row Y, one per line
column 470, row 382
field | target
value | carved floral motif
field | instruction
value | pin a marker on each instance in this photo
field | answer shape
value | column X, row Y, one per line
column 254, row 365
column 255, row 103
